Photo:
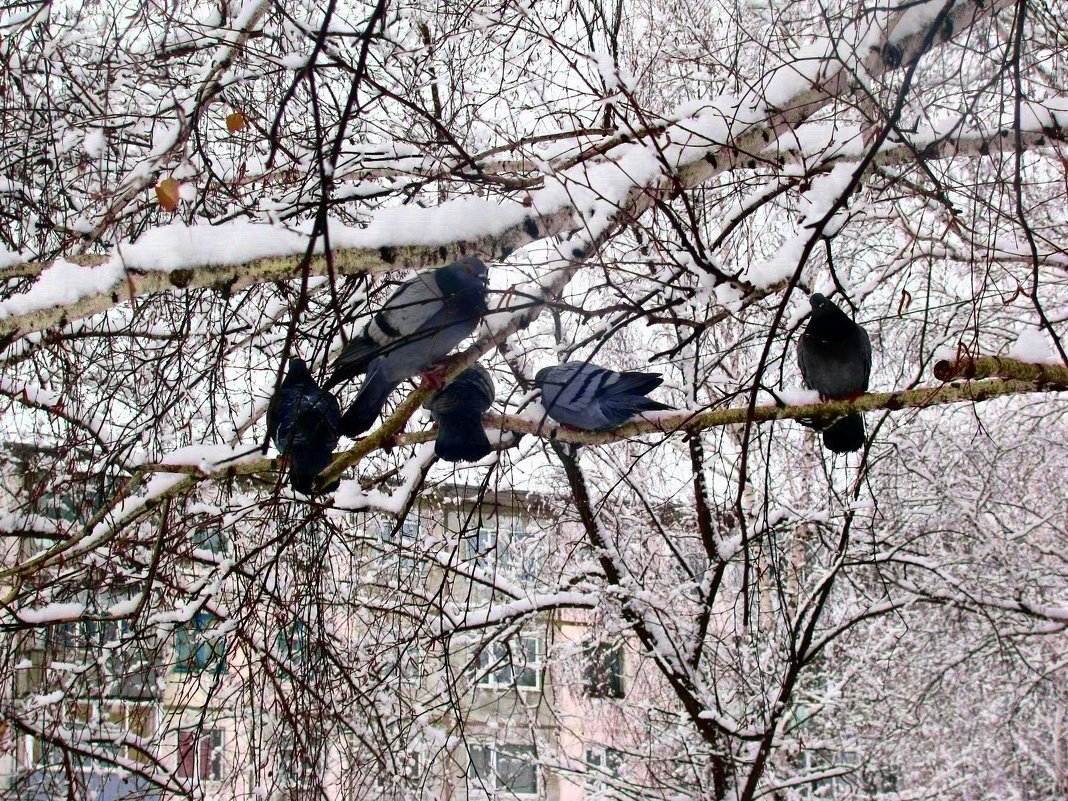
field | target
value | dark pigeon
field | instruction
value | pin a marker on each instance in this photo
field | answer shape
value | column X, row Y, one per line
column 592, row 398
column 422, row 321
column 457, row 409
column 834, row 354
column 304, row 422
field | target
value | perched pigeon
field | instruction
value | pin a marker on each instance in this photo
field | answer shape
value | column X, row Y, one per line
column 457, row 410
column 304, row 422
column 422, row 321
column 834, row 354
column 593, row 398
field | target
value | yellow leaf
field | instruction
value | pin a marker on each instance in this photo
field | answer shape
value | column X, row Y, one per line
column 168, row 195
column 235, row 122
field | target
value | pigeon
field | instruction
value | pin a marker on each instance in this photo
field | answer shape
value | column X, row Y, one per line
column 592, row 398
column 304, row 422
column 422, row 321
column 457, row 409
column 834, row 354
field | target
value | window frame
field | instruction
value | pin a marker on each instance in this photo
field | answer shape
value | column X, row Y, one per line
column 212, row 538
column 205, row 748
column 496, row 544
column 396, row 541
column 190, row 635
column 496, row 660
column 292, row 647
column 601, row 758
column 606, row 684
column 491, row 784
column 402, row 780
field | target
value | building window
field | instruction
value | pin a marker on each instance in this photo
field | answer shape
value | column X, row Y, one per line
column 200, row 754
column 502, row 769
column 602, row 766
column 515, row 663
column 401, row 544
column 503, row 544
column 697, row 565
column 199, row 646
column 140, row 720
column 291, row 646
column 39, row 752
column 400, row 664
column 398, row 777
column 210, row 537
column 288, row 771
column 292, row 643
column 92, row 634
column 300, row 764
column 603, row 672
column 837, row 769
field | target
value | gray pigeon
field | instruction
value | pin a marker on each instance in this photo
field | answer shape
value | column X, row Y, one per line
column 422, row 321
column 592, row 398
column 457, row 409
column 303, row 421
column 834, row 354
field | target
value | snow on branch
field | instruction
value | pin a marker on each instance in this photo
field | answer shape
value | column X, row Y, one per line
column 591, row 197
column 829, row 142
column 469, row 619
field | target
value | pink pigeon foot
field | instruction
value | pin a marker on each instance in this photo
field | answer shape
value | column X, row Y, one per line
column 432, row 379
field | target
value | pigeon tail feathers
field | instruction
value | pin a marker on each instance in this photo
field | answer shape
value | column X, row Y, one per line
column 305, row 464
column 461, row 438
column 846, row 435
column 634, row 383
column 353, row 360
column 363, row 412
column 626, row 406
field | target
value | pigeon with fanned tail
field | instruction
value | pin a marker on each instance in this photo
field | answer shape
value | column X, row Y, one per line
column 834, row 354
column 422, row 321
column 592, row 398
column 457, row 409
column 304, row 421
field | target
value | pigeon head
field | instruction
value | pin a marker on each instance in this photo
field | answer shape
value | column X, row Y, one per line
column 826, row 310
column 298, row 370
column 827, row 319
column 467, row 273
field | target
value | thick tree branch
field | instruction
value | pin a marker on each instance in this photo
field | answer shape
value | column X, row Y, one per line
column 1055, row 380
column 1002, row 367
column 694, row 150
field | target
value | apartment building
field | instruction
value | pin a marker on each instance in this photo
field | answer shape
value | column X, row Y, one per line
column 225, row 696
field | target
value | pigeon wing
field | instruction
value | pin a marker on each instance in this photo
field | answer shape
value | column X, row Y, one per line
column 573, row 394
column 865, row 343
column 623, row 397
column 630, row 384
column 802, row 361
column 407, row 311
column 353, row 360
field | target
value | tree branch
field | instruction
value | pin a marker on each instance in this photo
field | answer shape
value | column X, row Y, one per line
column 694, row 150
column 1054, row 379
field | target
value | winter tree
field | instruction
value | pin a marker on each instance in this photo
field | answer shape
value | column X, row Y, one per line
column 703, row 603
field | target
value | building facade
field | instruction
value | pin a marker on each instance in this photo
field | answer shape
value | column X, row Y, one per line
column 340, row 656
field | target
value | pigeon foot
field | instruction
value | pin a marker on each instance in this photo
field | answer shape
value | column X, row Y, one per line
column 432, row 379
